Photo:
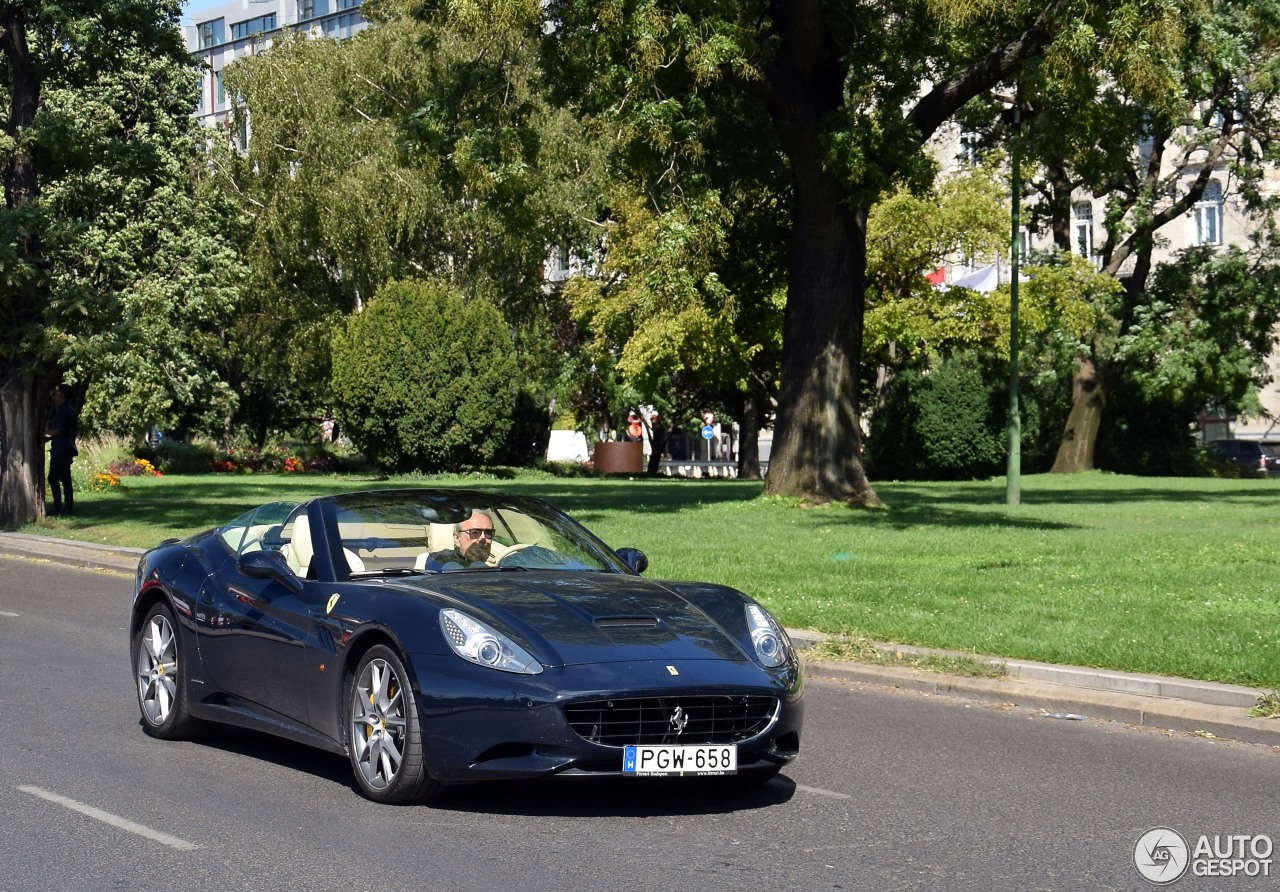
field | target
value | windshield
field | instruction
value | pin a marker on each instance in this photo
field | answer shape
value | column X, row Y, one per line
column 435, row 531
column 259, row 529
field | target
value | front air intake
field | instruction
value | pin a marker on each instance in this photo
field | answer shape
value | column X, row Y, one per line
column 684, row 719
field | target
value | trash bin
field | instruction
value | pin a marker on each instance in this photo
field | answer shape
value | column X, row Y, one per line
column 619, row 458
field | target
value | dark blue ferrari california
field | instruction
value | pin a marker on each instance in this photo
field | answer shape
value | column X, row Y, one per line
column 443, row 637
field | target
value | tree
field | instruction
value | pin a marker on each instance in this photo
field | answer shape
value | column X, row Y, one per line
column 421, row 147
column 96, row 116
column 853, row 93
column 908, row 319
column 1153, row 151
column 424, row 378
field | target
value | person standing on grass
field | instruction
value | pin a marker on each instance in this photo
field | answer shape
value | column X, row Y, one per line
column 61, row 434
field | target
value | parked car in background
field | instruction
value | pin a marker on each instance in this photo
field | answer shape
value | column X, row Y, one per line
column 1254, row 458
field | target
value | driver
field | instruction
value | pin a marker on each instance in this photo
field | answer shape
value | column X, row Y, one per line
column 472, row 544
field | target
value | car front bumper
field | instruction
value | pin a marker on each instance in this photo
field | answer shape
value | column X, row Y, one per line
column 481, row 724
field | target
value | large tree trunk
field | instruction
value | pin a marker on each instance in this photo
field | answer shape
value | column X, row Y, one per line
column 21, row 432
column 817, row 438
column 1088, row 398
column 21, row 451
column 749, row 438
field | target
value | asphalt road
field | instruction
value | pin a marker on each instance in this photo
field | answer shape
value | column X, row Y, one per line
column 892, row 791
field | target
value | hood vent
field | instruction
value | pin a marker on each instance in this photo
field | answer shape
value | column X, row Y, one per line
column 627, row 622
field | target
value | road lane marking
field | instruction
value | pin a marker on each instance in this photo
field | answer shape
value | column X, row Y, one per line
column 108, row 818
column 7, row 613
column 821, row 792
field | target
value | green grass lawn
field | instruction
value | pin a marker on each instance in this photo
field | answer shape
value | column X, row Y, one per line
column 1168, row 575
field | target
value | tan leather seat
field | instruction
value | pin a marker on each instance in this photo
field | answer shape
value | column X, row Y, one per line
column 299, row 551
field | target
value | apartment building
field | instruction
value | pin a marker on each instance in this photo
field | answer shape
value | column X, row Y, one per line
column 221, row 34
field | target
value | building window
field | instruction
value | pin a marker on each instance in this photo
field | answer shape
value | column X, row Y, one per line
column 1084, row 229
column 309, row 9
column 343, row 26
column 210, row 33
column 250, row 27
column 1208, row 215
column 349, row 4
column 970, row 148
column 219, row 91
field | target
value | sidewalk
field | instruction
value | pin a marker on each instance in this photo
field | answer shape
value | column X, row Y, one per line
column 1070, row 693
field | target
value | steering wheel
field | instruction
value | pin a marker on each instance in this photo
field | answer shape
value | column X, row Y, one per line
column 512, row 549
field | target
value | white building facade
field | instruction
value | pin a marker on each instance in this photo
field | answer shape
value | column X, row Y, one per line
column 221, row 34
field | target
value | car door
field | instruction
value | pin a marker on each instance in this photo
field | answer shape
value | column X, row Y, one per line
column 259, row 630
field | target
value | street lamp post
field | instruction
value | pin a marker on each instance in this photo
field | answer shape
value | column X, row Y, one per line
column 1013, row 471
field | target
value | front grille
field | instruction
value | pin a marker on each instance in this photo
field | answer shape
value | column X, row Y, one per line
column 715, row 718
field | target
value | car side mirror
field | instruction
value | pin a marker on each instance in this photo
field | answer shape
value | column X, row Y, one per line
column 634, row 558
column 269, row 565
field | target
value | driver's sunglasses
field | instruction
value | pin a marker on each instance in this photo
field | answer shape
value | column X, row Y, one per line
column 475, row 534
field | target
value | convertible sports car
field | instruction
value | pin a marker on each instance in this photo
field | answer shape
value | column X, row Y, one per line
column 442, row 637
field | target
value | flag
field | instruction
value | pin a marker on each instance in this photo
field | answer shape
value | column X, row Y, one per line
column 985, row 279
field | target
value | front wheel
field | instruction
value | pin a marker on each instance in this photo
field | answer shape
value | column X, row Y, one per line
column 161, row 686
column 385, row 740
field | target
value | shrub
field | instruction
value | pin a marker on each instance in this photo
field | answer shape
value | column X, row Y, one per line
column 180, row 456
column 424, row 379
column 939, row 424
column 97, row 454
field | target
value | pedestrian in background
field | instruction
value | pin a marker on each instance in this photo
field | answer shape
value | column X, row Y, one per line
column 634, row 432
column 61, row 434
column 657, row 442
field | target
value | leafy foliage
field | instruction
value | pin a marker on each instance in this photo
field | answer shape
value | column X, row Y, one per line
column 844, row 100
column 425, row 379
column 422, row 147
column 1205, row 331
column 116, row 275
column 939, row 424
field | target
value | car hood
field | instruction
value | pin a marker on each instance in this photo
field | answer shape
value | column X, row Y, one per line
column 595, row 617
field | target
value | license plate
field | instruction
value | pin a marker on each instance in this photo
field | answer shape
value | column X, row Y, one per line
column 680, row 761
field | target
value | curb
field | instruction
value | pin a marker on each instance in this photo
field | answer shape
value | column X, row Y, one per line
column 1064, row 692
column 1065, row 701
column 71, row 552
column 1208, row 709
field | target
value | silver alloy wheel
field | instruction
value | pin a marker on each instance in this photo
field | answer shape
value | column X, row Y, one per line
column 378, row 723
column 157, row 670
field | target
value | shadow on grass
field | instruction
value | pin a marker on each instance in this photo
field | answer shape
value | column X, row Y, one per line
column 200, row 501
column 186, row 504
column 1072, row 491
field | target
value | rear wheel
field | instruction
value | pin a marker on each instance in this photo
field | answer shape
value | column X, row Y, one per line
column 385, row 740
column 158, row 673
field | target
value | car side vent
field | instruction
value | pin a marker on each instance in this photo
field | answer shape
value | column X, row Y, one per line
column 627, row 622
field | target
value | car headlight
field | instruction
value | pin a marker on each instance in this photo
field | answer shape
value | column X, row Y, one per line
column 474, row 641
column 770, row 641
